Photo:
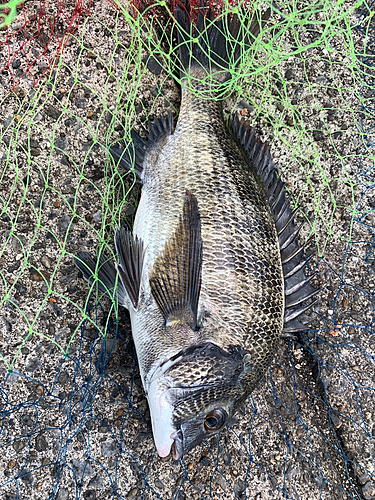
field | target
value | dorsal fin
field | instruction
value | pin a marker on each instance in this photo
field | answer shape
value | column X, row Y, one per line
column 297, row 287
column 175, row 279
column 133, row 154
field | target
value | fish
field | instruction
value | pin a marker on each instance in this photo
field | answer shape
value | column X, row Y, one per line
column 213, row 274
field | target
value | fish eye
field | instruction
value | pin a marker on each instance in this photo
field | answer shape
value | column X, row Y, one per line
column 215, row 420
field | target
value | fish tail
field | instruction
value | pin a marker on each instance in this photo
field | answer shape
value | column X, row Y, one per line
column 213, row 45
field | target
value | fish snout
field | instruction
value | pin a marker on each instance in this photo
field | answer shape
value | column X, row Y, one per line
column 174, row 444
column 164, row 452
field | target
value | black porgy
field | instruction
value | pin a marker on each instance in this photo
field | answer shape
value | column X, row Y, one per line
column 212, row 273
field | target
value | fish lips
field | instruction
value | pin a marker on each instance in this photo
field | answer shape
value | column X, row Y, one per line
column 178, row 445
column 161, row 411
column 184, row 442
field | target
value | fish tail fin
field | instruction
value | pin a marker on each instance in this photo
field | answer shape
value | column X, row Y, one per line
column 213, row 45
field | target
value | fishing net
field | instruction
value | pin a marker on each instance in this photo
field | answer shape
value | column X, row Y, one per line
column 34, row 36
column 74, row 418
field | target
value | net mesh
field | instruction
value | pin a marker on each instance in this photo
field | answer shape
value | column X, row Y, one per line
column 74, row 418
column 34, row 36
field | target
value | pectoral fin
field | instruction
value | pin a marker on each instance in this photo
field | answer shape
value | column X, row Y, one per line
column 176, row 276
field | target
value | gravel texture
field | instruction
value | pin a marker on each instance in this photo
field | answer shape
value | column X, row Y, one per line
column 74, row 418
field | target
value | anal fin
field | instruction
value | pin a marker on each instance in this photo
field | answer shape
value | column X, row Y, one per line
column 131, row 156
column 175, row 279
column 131, row 255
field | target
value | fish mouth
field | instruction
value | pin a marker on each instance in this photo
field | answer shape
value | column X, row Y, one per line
column 174, row 451
column 177, row 445
column 160, row 401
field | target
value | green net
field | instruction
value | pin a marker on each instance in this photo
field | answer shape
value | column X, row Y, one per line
column 74, row 418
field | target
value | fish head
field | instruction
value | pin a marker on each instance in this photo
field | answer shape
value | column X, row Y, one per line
column 194, row 395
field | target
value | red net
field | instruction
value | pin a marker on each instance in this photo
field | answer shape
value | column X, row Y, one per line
column 37, row 36
column 31, row 45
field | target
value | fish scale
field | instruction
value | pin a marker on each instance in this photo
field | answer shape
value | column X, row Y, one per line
column 213, row 268
column 241, row 268
column 236, row 221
